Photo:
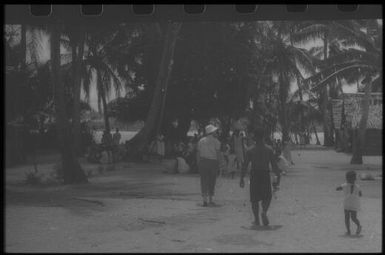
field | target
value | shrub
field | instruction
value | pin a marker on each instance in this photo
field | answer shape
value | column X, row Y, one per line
column 52, row 178
column 33, row 178
column 58, row 172
column 89, row 173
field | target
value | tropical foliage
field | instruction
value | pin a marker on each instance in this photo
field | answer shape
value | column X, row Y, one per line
column 159, row 72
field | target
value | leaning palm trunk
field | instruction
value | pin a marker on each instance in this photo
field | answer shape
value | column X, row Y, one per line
column 283, row 112
column 138, row 144
column 103, row 95
column 326, row 119
column 70, row 168
column 77, row 57
column 359, row 135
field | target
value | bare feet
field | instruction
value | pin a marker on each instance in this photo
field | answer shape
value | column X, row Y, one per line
column 256, row 223
column 265, row 220
column 211, row 203
column 359, row 228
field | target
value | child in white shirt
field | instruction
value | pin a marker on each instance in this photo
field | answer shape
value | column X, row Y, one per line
column 352, row 194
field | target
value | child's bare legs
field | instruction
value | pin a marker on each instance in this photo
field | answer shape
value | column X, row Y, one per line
column 352, row 214
column 356, row 221
column 347, row 221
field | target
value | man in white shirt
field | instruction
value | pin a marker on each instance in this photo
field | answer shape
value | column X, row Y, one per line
column 208, row 163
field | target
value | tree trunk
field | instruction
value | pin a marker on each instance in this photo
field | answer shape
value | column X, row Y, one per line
column 283, row 112
column 140, row 141
column 357, row 149
column 103, row 95
column 77, row 57
column 165, row 86
column 325, row 104
column 326, row 119
column 71, row 169
column 23, row 43
column 302, row 114
column 359, row 136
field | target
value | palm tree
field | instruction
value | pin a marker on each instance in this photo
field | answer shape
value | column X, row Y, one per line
column 71, row 169
column 141, row 140
column 305, row 114
column 364, row 61
column 99, row 63
column 283, row 62
column 76, row 35
column 327, row 32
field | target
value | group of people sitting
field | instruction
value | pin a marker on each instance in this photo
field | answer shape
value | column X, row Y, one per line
column 110, row 145
column 233, row 150
column 183, row 151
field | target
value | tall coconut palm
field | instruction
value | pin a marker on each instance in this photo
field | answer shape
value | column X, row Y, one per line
column 76, row 35
column 361, row 61
column 305, row 114
column 141, row 140
column 285, row 63
column 98, row 67
column 71, row 169
column 326, row 31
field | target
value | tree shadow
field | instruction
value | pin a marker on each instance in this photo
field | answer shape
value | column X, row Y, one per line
column 62, row 195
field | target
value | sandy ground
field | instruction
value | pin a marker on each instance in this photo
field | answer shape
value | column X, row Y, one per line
column 138, row 208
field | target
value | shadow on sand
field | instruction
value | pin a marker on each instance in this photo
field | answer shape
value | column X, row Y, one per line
column 352, row 236
column 263, row 228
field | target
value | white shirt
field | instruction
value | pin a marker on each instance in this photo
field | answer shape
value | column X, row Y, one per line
column 351, row 199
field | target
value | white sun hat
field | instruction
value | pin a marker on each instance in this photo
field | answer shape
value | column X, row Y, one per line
column 210, row 129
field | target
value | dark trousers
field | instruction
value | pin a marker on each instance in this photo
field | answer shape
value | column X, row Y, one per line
column 208, row 169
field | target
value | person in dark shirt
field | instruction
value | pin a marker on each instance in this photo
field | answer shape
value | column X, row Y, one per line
column 260, row 156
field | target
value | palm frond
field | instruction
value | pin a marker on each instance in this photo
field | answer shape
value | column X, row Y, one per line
column 348, row 32
column 312, row 32
column 342, row 72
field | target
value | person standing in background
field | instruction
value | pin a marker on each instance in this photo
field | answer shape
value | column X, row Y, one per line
column 208, row 155
column 286, row 148
column 238, row 145
column 116, row 141
column 107, row 144
column 160, row 146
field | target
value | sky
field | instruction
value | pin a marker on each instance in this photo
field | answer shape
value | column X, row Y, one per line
column 44, row 55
